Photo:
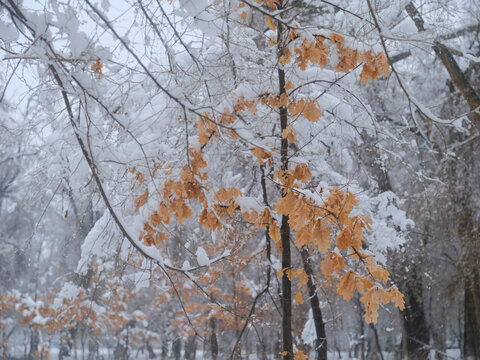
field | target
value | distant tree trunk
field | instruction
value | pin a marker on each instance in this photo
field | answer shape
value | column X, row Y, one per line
column 191, row 348
column 4, row 345
column 213, row 339
column 164, row 349
column 372, row 353
column 416, row 335
column 177, row 348
column 34, row 342
column 321, row 340
column 374, row 347
column 151, row 353
column 359, row 350
column 471, row 333
column 66, row 344
column 120, row 352
column 92, row 348
column 468, row 235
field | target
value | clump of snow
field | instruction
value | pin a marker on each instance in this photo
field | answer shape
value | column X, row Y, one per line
column 202, row 257
column 309, row 333
column 9, row 32
column 247, row 204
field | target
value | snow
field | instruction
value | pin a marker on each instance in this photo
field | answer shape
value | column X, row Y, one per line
column 309, row 334
column 8, row 31
column 202, row 257
column 69, row 291
column 78, row 43
column 248, row 204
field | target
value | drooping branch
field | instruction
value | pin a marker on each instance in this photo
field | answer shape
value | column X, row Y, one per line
column 445, row 55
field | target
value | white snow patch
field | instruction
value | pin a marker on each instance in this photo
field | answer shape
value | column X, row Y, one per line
column 202, row 257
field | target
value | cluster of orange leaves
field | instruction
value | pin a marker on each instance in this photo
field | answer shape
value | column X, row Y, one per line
column 316, row 52
column 208, row 127
column 322, row 228
column 175, row 195
column 47, row 315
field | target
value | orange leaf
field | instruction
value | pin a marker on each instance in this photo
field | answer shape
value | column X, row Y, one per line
column 287, row 271
column 311, row 112
column 285, row 57
column 371, row 302
column 299, row 355
column 397, row 297
column 302, row 172
column 274, row 232
column 141, row 200
column 260, row 154
column 283, row 100
column 345, row 239
column 346, row 286
column 243, row 15
column 333, row 263
column 302, row 276
column 286, row 204
column 298, row 298
column 270, row 24
column 288, row 134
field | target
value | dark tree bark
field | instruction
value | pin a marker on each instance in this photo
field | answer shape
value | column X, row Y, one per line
column 321, row 341
column 151, row 353
column 213, row 339
column 470, row 330
column 414, row 320
column 177, row 348
column 120, row 352
column 191, row 348
column 287, row 350
column 34, row 342
column 471, row 323
column 164, row 349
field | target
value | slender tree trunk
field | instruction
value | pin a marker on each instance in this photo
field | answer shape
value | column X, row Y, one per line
column 471, row 251
column 377, row 341
column 191, row 348
column 34, row 341
column 287, row 349
column 164, row 349
column 213, row 339
column 321, row 341
column 469, row 326
column 414, row 320
column 177, row 348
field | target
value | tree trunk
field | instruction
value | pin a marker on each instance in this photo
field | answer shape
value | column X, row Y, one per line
column 177, row 348
column 414, row 320
column 191, row 348
column 34, row 342
column 213, row 339
column 471, row 333
column 321, row 341
column 287, row 349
